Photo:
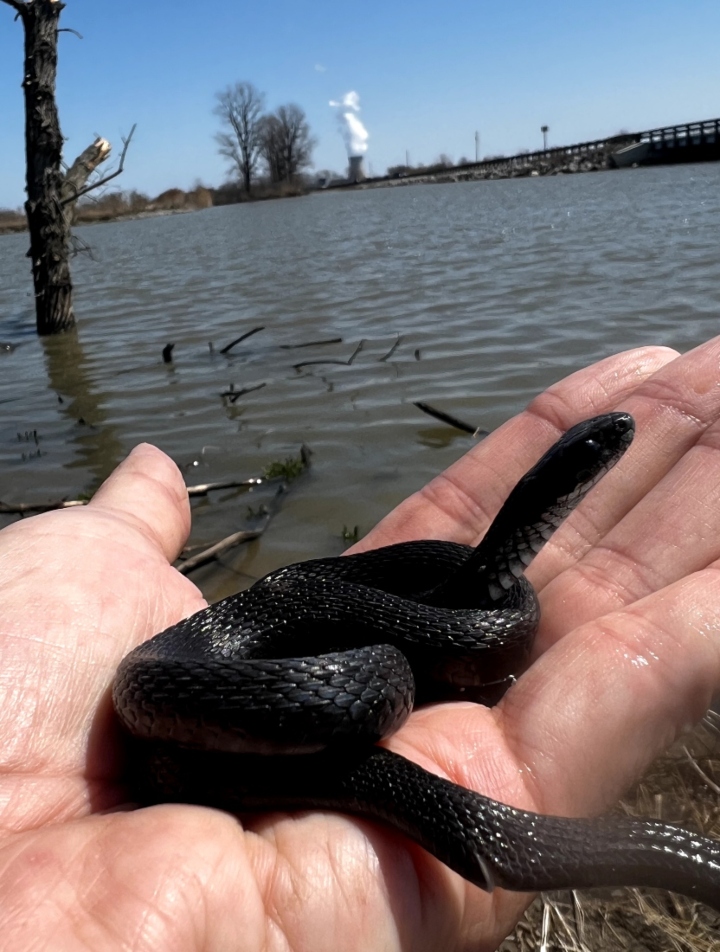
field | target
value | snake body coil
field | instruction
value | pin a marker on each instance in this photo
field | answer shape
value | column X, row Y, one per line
column 324, row 658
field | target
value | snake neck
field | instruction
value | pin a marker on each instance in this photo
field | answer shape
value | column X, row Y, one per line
column 536, row 507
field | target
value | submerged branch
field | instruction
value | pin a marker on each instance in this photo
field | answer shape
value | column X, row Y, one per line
column 228, row 347
column 345, row 363
column 20, row 508
column 233, row 394
column 212, row 552
column 202, row 489
column 312, row 343
column 450, row 420
column 392, row 350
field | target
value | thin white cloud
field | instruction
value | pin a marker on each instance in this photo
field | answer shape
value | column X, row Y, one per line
column 319, row 68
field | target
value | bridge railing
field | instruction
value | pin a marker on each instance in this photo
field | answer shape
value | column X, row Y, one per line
column 695, row 133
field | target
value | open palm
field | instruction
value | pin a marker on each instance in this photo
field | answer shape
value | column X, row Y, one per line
column 628, row 655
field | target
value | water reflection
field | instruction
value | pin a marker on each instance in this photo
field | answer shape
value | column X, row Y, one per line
column 80, row 400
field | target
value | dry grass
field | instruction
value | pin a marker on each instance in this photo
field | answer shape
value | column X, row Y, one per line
column 114, row 206
column 684, row 788
column 11, row 221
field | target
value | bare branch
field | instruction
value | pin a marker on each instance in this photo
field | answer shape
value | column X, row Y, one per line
column 346, row 363
column 312, row 343
column 19, row 6
column 80, row 247
column 102, row 181
column 202, row 489
column 245, row 535
column 67, row 29
column 226, row 349
column 22, row 507
column 447, row 418
column 392, row 350
column 234, row 395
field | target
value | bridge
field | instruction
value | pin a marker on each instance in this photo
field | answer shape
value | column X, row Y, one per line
column 687, row 142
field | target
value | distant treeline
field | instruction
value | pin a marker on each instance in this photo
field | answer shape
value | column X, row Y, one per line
column 132, row 204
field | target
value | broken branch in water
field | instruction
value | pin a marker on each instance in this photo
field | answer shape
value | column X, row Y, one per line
column 18, row 509
column 392, row 349
column 312, row 343
column 346, row 363
column 287, row 469
column 242, row 337
column 212, row 552
column 232, row 394
column 450, row 420
column 202, row 489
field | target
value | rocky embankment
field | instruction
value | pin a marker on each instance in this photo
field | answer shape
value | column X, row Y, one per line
column 553, row 163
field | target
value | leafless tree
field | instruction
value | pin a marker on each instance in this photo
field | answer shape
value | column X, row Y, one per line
column 240, row 109
column 51, row 193
column 286, row 143
column 271, row 148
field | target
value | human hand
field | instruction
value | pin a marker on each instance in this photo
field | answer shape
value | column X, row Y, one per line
column 81, row 587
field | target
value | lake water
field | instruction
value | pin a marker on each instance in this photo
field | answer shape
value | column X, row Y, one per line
column 487, row 292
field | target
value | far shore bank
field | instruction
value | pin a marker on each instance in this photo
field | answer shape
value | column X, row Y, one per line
column 15, row 227
column 120, row 206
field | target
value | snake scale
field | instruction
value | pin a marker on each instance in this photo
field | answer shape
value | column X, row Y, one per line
column 276, row 697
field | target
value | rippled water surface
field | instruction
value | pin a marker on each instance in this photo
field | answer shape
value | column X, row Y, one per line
column 471, row 297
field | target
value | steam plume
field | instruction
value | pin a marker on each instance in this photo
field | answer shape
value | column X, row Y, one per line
column 353, row 131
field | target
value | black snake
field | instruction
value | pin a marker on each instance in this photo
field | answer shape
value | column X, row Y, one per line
column 324, row 658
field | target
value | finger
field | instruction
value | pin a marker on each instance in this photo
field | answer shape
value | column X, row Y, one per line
column 460, row 503
column 668, row 483
column 148, row 491
column 594, row 711
column 79, row 588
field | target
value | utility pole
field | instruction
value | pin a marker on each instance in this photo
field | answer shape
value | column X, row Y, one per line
column 544, row 130
column 477, row 146
column 407, row 158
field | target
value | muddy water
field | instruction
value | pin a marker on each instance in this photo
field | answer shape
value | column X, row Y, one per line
column 470, row 297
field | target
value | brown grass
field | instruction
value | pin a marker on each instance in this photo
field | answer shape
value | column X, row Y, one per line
column 118, row 205
column 684, row 788
column 11, row 221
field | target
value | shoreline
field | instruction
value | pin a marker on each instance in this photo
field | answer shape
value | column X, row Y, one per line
column 16, row 228
column 170, row 202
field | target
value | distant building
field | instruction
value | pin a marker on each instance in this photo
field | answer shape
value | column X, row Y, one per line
column 356, row 173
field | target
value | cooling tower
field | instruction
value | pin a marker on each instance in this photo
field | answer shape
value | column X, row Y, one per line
column 355, row 169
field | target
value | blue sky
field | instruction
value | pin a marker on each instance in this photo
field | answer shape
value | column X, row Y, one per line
column 428, row 74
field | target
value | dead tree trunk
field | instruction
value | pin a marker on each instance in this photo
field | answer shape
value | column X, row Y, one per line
column 51, row 195
column 47, row 223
